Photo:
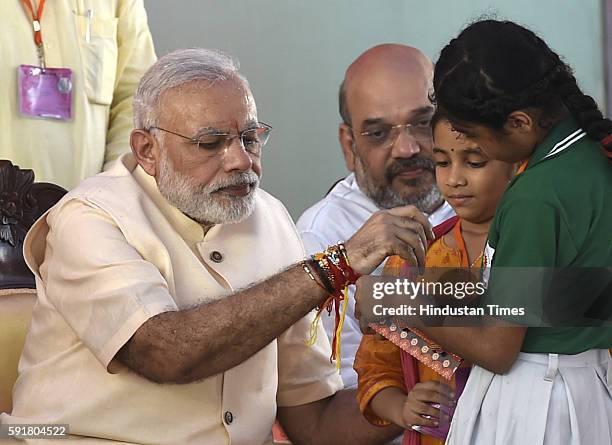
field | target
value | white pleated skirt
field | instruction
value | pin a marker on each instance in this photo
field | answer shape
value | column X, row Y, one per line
column 549, row 399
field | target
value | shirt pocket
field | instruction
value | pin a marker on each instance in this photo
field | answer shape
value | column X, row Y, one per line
column 98, row 45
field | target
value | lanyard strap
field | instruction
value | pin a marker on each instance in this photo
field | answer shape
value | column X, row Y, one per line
column 36, row 18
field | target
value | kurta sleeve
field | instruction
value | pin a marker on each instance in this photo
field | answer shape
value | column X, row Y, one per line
column 97, row 281
column 378, row 365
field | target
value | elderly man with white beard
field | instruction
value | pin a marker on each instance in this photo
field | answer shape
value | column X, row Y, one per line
column 174, row 299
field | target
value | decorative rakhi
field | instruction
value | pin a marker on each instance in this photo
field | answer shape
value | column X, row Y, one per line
column 332, row 271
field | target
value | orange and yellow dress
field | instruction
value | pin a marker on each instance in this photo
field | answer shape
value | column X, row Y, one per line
column 379, row 362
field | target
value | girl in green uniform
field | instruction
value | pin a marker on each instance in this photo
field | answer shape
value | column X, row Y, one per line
column 506, row 90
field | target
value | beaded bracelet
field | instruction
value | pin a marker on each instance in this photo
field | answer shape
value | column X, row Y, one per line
column 335, row 272
column 321, row 279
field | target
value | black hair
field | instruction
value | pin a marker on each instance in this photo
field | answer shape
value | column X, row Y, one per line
column 436, row 119
column 496, row 67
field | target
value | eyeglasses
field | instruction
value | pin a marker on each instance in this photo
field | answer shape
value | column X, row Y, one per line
column 215, row 142
column 382, row 136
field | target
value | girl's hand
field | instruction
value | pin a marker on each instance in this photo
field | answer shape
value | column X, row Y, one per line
column 417, row 409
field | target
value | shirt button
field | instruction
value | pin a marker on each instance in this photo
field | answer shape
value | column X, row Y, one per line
column 217, row 257
column 228, row 417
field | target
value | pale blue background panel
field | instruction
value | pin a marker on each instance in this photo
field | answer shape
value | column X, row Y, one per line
column 294, row 54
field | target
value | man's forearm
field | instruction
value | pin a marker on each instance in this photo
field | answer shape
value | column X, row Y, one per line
column 342, row 419
column 189, row 345
column 193, row 344
column 335, row 420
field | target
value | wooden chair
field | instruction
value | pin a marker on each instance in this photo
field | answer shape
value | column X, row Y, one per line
column 21, row 203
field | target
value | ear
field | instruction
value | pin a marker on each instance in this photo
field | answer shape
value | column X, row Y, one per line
column 347, row 142
column 519, row 121
column 145, row 149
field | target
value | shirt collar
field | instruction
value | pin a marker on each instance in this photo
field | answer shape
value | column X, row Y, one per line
column 351, row 181
column 561, row 137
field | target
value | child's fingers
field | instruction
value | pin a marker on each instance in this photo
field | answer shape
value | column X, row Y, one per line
column 436, row 386
column 434, row 397
column 433, row 392
column 425, row 409
column 414, row 419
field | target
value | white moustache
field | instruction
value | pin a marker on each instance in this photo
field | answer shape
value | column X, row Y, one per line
column 247, row 178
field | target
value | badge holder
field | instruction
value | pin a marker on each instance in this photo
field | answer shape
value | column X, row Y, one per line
column 45, row 92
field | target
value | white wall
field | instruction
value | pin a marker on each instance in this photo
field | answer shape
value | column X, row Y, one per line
column 294, row 54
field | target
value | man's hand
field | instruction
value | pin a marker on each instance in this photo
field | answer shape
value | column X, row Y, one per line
column 402, row 231
column 201, row 337
column 335, row 420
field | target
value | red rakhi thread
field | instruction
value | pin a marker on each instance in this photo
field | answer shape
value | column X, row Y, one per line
column 335, row 275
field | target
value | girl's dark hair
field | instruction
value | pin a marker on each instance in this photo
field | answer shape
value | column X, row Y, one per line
column 496, row 67
column 436, row 119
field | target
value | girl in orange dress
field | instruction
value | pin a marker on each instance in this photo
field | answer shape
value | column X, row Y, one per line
column 393, row 386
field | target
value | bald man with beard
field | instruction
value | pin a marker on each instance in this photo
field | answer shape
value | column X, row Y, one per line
column 387, row 145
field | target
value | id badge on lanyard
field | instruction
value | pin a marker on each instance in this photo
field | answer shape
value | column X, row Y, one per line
column 43, row 92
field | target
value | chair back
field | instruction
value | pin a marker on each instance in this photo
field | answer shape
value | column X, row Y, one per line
column 22, row 202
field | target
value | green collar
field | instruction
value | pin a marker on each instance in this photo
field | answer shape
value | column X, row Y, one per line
column 558, row 139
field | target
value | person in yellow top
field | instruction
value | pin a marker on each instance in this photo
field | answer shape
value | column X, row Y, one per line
column 101, row 48
column 393, row 387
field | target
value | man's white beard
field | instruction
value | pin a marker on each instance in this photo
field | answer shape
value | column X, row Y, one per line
column 200, row 203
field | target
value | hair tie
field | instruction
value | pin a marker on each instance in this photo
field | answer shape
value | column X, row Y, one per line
column 607, row 140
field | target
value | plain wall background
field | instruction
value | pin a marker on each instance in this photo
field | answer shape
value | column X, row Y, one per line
column 294, row 54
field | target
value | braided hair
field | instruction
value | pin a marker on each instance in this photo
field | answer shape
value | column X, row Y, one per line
column 496, row 67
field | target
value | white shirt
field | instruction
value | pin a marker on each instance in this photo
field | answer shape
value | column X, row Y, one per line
column 336, row 218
